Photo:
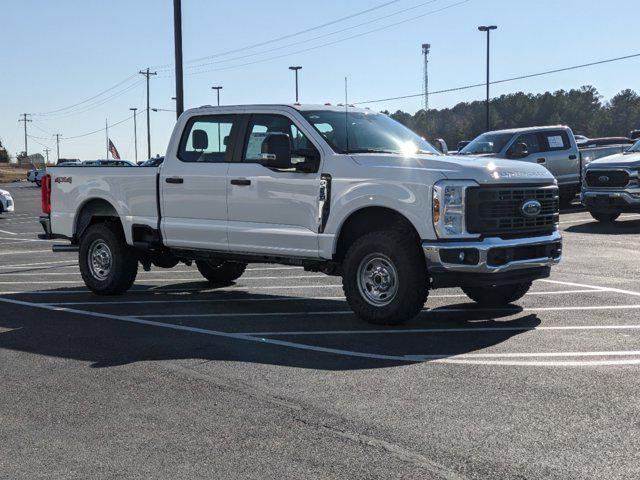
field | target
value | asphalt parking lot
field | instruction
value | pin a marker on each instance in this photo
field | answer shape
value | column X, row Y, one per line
column 273, row 377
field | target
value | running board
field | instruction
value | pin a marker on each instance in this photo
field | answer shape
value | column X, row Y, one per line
column 65, row 248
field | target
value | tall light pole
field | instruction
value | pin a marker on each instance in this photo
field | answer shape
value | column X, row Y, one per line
column 217, row 89
column 295, row 69
column 135, row 133
column 177, row 35
column 425, row 52
column 487, row 28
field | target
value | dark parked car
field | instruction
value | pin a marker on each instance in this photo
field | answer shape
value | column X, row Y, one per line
column 152, row 162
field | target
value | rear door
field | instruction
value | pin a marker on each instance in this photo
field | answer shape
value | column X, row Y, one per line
column 273, row 211
column 193, row 184
column 562, row 159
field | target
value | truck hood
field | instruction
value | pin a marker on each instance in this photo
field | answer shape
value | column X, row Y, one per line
column 625, row 160
column 484, row 170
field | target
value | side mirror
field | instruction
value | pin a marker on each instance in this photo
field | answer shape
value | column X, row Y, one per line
column 519, row 150
column 276, row 151
column 442, row 146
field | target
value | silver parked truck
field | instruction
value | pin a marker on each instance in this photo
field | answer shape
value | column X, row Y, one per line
column 553, row 147
column 611, row 185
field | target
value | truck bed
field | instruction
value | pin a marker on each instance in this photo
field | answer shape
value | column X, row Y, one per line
column 131, row 191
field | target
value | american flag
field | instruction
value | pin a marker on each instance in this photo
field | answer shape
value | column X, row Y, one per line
column 113, row 151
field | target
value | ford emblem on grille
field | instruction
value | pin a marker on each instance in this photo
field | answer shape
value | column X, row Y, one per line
column 603, row 179
column 531, row 208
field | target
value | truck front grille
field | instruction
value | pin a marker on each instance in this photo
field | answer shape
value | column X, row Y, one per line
column 499, row 210
column 607, row 178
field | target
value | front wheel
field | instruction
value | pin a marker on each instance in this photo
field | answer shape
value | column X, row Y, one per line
column 220, row 271
column 107, row 264
column 497, row 295
column 385, row 278
column 605, row 217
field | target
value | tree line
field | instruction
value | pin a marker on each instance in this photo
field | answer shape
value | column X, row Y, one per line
column 582, row 109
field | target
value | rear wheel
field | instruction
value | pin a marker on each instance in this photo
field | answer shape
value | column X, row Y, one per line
column 605, row 217
column 221, row 271
column 107, row 264
column 497, row 295
column 385, row 277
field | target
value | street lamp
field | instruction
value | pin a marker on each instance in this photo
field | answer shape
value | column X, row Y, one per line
column 135, row 132
column 487, row 28
column 295, row 69
column 217, row 89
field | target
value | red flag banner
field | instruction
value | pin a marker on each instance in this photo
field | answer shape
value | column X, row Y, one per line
column 113, row 151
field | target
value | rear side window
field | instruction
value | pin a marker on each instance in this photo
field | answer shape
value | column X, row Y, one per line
column 207, row 139
column 555, row 140
column 530, row 140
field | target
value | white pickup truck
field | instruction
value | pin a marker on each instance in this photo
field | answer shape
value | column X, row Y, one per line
column 339, row 190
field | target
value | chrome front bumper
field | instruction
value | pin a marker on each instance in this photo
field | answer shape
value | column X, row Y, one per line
column 486, row 249
column 589, row 198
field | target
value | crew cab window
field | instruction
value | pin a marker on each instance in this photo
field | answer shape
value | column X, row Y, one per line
column 531, row 140
column 205, row 139
column 555, row 140
column 262, row 125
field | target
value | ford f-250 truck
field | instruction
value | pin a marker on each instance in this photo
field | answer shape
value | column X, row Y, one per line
column 611, row 185
column 338, row 190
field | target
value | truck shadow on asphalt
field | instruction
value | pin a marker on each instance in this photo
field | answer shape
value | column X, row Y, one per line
column 620, row 227
column 109, row 342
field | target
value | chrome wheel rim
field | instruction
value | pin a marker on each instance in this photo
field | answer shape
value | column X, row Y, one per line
column 377, row 279
column 99, row 259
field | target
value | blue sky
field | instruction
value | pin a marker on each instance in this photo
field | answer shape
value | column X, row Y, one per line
column 56, row 54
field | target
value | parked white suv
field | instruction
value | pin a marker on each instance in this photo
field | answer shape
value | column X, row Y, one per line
column 6, row 202
column 347, row 192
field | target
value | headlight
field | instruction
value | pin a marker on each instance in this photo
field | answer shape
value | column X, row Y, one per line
column 449, row 208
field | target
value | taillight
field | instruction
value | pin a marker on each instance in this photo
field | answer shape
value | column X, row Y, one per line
column 46, row 194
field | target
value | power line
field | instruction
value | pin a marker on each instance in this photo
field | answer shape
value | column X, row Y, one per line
column 99, row 130
column 521, row 77
column 431, row 12
column 126, row 80
column 284, row 37
column 384, row 17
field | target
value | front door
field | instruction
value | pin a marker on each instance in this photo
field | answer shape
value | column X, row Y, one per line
column 272, row 211
column 194, row 185
column 562, row 159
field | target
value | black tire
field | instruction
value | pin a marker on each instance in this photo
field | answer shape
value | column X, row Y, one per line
column 393, row 250
column 497, row 295
column 114, row 266
column 221, row 271
column 605, row 217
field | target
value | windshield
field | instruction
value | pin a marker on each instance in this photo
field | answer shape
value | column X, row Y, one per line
column 635, row 147
column 487, row 143
column 368, row 133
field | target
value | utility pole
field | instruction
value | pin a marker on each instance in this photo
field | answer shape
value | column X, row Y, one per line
column 147, row 74
column 177, row 33
column 46, row 151
column 25, row 120
column 135, row 133
column 487, row 28
column 217, row 89
column 295, row 69
column 106, row 130
column 425, row 52
column 57, row 135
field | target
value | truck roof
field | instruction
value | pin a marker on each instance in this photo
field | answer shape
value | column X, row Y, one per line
column 530, row 129
column 295, row 106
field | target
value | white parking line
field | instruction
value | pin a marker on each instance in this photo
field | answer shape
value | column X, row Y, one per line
column 441, row 330
column 25, row 252
column 169, row 280
column 39, row 264
column 590, row 219
column 8, row 233
column 581, row 285
column 513, row 309
column 215, row 300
